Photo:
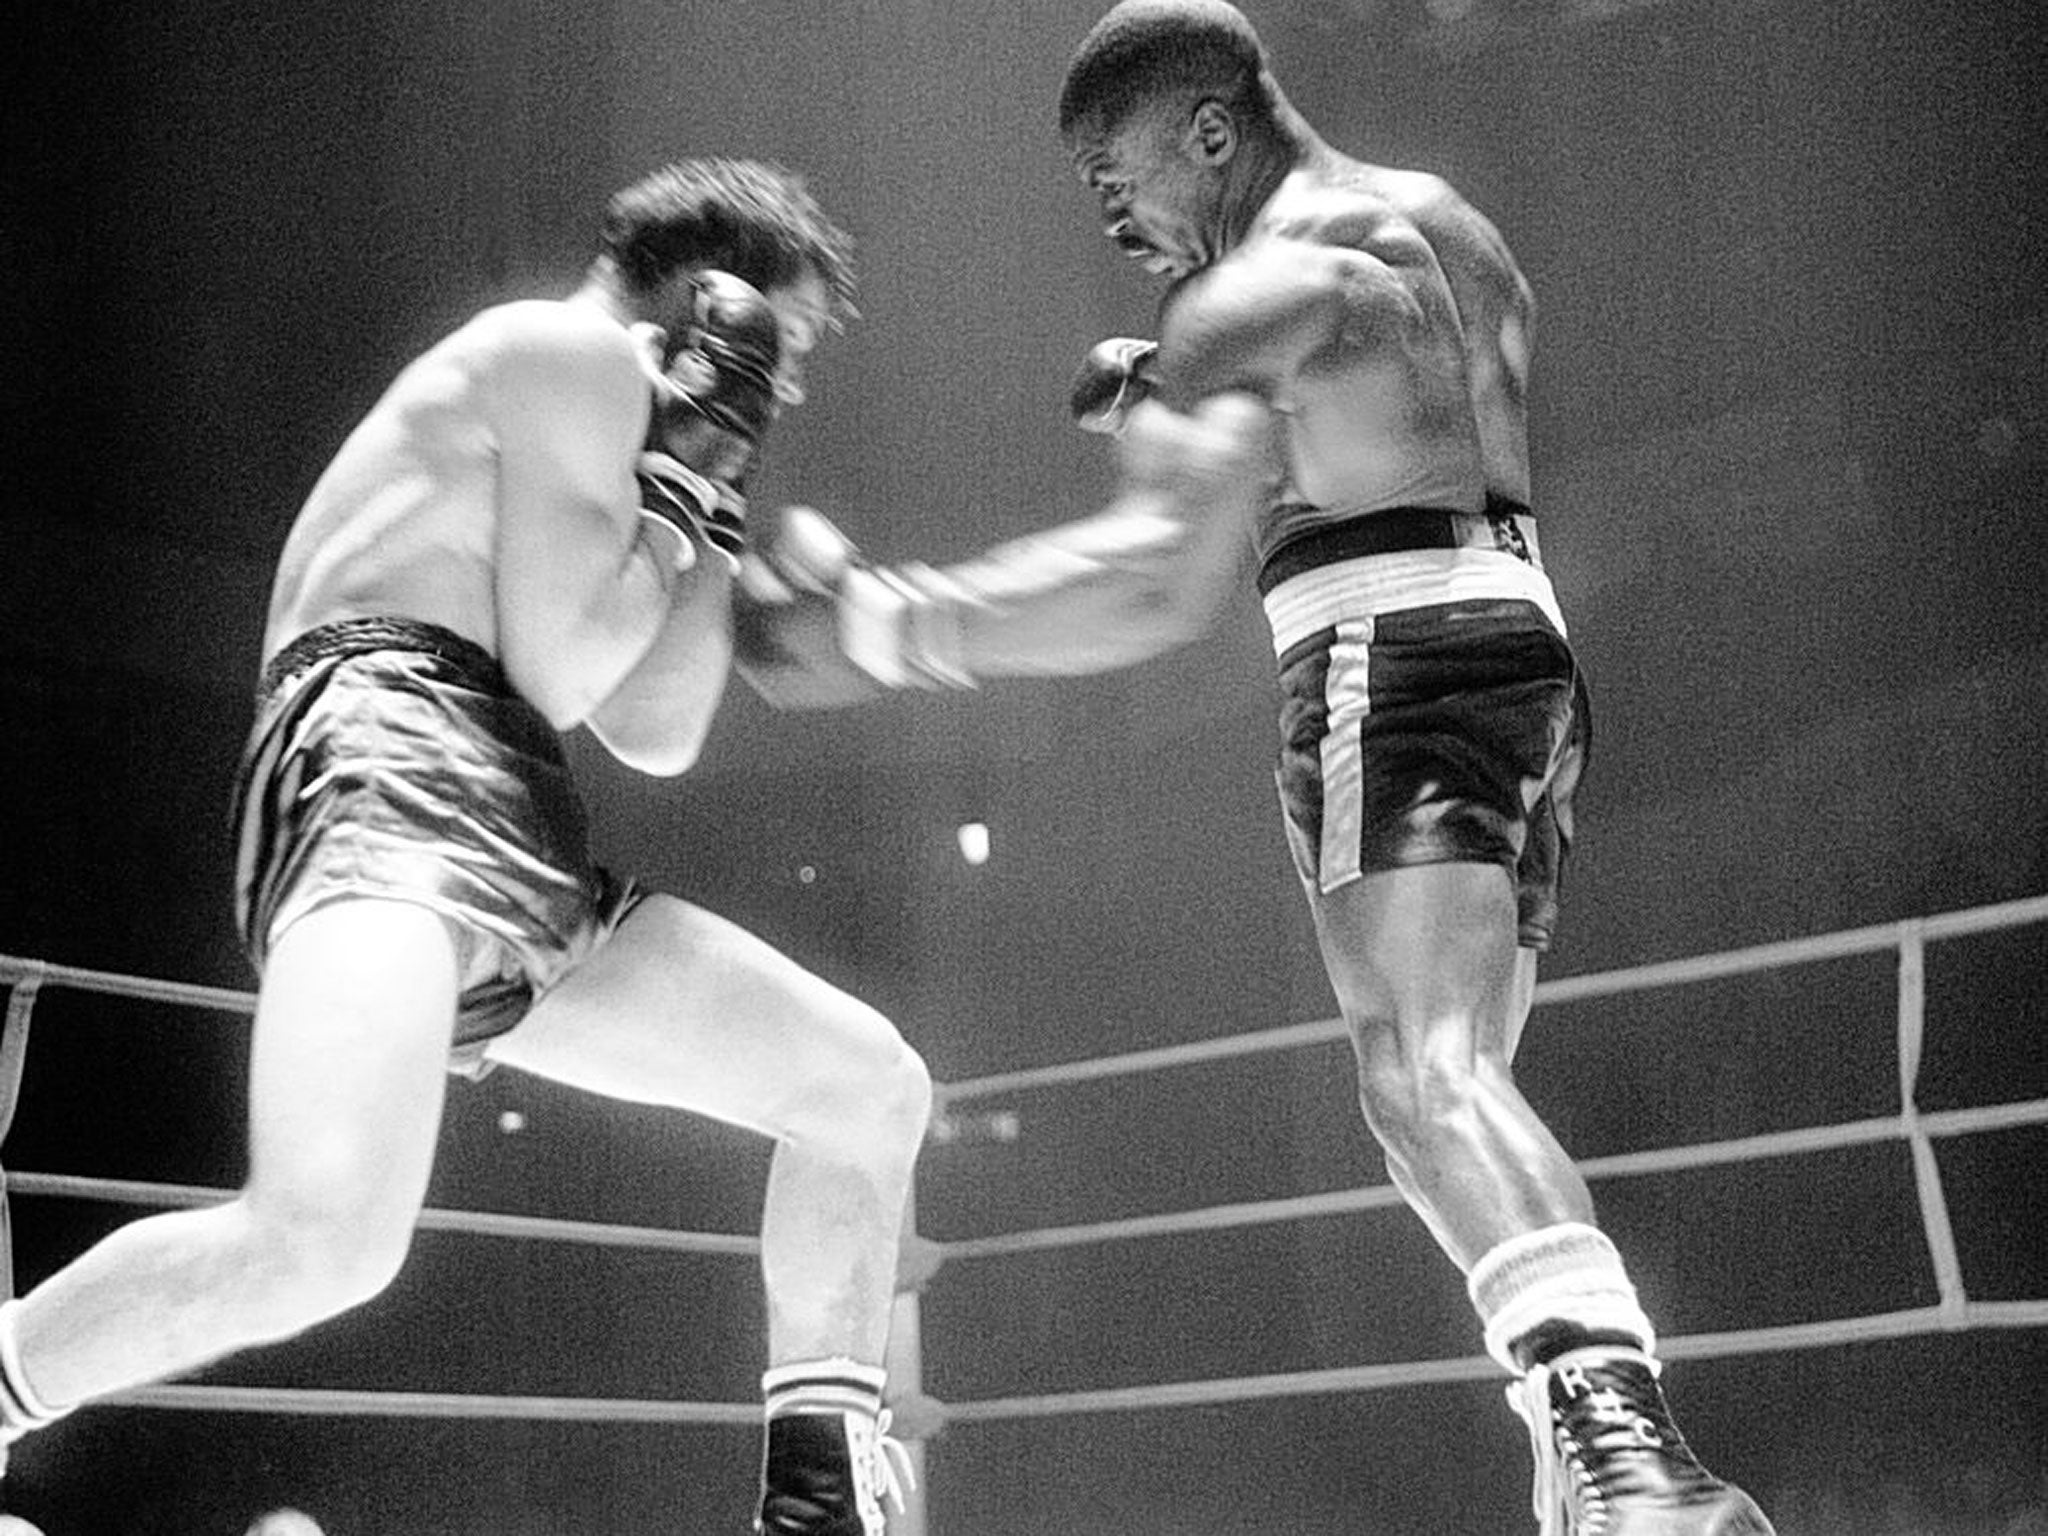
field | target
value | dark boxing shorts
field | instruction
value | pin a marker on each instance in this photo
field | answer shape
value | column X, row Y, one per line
column 1432, row 712
column 391, row 759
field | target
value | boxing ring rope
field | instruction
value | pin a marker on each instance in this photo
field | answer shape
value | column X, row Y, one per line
column 1954, row 1310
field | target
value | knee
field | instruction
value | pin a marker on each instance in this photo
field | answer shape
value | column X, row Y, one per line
column 900, row 1087
column 884, row 1094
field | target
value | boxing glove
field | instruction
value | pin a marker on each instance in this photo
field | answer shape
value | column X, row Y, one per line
column 736, row 331
column 700, row 510
column 714, row 399
column 816, row 622
column 1114, row 377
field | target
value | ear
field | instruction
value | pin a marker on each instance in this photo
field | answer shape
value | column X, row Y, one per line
column 1211, row 136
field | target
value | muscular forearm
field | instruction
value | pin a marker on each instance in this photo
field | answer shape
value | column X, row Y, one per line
column 1044, row 606
column 819, row 625
column 1146, row 574
column 658, row 716
column 1138, row 580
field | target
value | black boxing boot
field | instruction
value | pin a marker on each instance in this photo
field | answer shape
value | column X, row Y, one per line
column 827, row 1460
column 1609, row 1459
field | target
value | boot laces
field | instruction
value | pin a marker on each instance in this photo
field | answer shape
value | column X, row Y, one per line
column 1565, row 1498
column 1579, row 1419
column 881, row 1467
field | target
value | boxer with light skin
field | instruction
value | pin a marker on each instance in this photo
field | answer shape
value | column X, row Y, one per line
column 535, row 528
column 542, row 525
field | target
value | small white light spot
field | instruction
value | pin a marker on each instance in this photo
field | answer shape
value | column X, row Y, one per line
column 511, row 1122
column 974, row 842
column 807, row 874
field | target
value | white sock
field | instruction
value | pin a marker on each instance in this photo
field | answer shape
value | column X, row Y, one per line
column 1567, row 1273
column 836, row 1384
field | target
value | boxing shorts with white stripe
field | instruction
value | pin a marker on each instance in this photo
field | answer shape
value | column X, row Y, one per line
column 1432, row 710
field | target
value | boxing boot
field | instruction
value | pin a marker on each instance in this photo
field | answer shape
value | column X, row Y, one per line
column 825, row 1474
column 1609, row 1459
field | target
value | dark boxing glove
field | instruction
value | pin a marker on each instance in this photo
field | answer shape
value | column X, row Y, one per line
column 714, row 400
column 694, row 506
column 736, row 332
column 1114, row 377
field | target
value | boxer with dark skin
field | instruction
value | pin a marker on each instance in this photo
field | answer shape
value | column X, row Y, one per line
column 1433, row 720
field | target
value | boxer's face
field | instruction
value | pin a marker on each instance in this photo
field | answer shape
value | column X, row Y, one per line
column 804, row 310
column 1152, row 187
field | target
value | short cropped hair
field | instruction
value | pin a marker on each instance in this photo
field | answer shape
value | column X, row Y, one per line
column 747, row 217
column 1159, row 49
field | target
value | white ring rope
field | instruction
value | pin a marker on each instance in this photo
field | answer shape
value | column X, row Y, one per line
column 1568, row 989
column 475, row 1223
column 1955, row 1310
column 1372, row 1378
column 1706, row 1154
column 436, row 1405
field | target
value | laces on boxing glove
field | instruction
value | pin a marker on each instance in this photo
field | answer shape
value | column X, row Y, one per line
column 1114, row 377
column 701, row 511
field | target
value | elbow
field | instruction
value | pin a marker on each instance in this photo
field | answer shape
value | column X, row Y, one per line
column 670, row 761
column 676, row 751
column 658, row 763
column 663, row 754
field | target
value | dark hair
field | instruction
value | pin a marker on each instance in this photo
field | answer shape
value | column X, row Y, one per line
column 1147, row 49
column 747, row 217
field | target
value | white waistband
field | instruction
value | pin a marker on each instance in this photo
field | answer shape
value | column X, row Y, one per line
column 1417, row 578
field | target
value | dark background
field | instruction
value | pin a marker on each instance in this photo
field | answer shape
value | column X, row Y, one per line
column 1790, row 427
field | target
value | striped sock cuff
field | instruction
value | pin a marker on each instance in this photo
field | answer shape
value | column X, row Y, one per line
column 1567, row 1273
column 20, row 1408
column 837, row 1384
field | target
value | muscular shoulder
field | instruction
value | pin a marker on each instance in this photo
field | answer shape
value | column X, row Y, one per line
column 1464, row 240
column 542, row 355
column 1341, row 212
column 546, row 329
column 1329, row 269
